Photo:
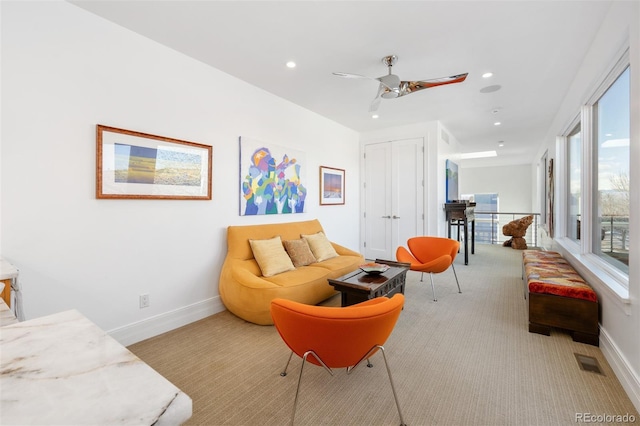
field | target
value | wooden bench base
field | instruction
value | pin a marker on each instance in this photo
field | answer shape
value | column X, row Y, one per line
column 578, row 316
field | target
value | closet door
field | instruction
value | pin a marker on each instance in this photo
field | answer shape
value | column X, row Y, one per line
column 407, row 216
column 378, row 197
column 393, row 192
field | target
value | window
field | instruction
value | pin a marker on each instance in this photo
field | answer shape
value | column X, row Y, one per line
column 486, row 223
column 574, row 181
column 611, row 130
column 595, row 181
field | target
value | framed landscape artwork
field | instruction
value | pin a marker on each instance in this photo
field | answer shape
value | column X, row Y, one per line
column 271, row 179
column 139, row 165
column 331, row 186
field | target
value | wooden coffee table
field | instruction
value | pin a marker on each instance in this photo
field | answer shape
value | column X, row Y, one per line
column 358, row 286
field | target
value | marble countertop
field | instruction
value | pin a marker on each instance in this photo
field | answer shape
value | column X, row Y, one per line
column 6, row 315
column 7, row 270
column 63, row 369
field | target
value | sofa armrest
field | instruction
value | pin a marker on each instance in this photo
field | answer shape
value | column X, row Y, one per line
column 343, row 251
column 247, row 278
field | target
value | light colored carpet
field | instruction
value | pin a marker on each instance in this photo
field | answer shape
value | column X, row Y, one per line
column 467, row 359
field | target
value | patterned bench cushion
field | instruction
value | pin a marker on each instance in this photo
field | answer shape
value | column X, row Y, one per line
column 549, row 273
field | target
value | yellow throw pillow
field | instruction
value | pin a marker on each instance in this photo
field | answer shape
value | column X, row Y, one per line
column 320, row 246
column 299, row 252
column 271, row 256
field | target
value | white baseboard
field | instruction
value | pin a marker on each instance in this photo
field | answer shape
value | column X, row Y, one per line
column 150, row 327
column 627, row 377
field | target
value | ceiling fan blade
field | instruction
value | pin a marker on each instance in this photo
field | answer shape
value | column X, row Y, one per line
column 376, row 101
column 375, row 104
column 390, row 86
column 407, row 87
column 348, row 75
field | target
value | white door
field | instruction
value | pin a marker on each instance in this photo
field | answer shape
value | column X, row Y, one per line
column 378, row 197
column 393, row 191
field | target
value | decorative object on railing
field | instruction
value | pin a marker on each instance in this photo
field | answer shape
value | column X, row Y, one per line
column 517, row 229
column 489, row 223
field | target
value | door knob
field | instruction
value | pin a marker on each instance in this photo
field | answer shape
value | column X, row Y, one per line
column 396, row 217
column 386, row 217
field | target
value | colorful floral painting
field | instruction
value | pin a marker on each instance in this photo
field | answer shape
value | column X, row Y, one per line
column 271, row 179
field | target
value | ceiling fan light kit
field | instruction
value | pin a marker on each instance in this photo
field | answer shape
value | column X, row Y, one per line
column 392, row 87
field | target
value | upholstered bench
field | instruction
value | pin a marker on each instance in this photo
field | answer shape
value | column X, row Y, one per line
column 559, row 297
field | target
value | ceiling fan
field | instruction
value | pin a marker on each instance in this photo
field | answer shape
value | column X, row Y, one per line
column 392, row 87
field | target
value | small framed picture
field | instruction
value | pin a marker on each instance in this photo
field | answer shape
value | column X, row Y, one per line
column 331, row 186
column 139, row 165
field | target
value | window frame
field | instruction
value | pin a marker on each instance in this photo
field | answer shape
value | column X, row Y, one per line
column 570, row 131
column 595, row 158
column 589, row 264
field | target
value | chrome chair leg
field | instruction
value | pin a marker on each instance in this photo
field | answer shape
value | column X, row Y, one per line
column 367, row 356
column 421, row 276
column 284, row 372
column 349, row 370
column 433, row 288
column 456, row 275
column 304, row 361
column 295, row 400
column 393, row 388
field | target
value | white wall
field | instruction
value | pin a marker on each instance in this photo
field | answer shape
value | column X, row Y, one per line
column 620, row 340
column 512, row 184
column 65, row 70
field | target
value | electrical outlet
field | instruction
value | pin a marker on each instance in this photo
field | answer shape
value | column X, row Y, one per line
column 144, row 301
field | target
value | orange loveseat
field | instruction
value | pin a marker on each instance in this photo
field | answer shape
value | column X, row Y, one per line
column 248, row 294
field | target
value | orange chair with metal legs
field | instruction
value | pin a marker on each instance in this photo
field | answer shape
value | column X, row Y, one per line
column 334, row 337
column 430, row 254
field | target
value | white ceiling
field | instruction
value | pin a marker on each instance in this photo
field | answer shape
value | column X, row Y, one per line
column 534, row 49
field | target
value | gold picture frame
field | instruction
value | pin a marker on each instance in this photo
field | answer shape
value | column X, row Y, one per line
column 332, row 184
column 137, row 165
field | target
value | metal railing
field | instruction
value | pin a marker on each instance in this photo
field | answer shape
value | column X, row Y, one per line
column 489, row 227
column 614, row 236
column 615, row 231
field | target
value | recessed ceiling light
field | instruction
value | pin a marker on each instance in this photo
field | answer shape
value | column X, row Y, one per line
column 487, row 74
column 291, row 64
column 497, row 123
column 501, row 144
column 375, row 116
column 479, row 154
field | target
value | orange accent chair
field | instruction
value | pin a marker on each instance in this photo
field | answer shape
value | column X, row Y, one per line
column 430, row 254
column 334, row 337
